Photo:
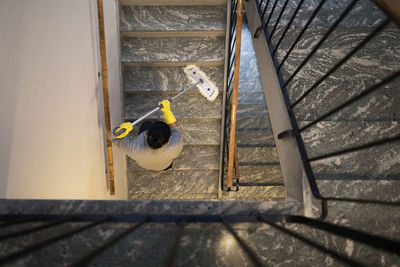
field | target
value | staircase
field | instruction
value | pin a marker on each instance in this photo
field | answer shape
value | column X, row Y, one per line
column 239, row 233
column 260, row 173
column 157, row 41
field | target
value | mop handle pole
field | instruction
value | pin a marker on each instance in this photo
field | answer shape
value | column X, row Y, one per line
column 159, row 107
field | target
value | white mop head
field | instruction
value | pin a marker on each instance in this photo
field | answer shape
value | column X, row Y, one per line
column 206, row 87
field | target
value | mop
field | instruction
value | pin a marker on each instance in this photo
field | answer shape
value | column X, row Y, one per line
column 207, row 89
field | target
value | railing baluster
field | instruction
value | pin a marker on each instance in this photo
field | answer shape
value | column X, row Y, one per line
column 278, row 19
column 107, row 244
column 265, row 10
column 318, row 45
column 288, row 26
column 342, row 61
column 270, row 14
column 302, row 32
column 243, row 244
column 352, row 100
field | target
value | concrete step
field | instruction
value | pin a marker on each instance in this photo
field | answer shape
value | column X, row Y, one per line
column 252, row 110
column 171, row 79
column 274, row 193
column 191, row 157
column 261, row 175
column 196, row 131
column 173, row 18
column 255, row 137
column 172, row 49
column 172, row 184
column 189, row 105
column 173, row 2
column 374, row 163
column 251, row 97
column 249, row 122
column 257, row 156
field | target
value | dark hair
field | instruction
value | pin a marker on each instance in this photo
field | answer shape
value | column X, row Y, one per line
column 158, row 134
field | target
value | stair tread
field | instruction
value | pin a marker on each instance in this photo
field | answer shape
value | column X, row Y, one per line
column 257, row 193
column 197, row 131
column 257, row 156
column 252, row 110
column 172, row 2
column 192, row 157
column 168, row 184
column 171, row 79
column 172, row 18
column 186, row 106
column 261, row 174
column 249, row 122
column 172, row 49
column 263, row 137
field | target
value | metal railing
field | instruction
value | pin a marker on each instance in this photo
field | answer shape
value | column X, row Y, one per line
column 270, row 13
column 235, row 33
column 77, row 257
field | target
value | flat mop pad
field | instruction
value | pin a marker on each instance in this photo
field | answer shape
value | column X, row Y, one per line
column 208, row 89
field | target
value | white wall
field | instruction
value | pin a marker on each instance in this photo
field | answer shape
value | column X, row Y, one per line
column 51, row 114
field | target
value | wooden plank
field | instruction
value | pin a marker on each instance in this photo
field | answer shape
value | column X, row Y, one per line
column 104, row 79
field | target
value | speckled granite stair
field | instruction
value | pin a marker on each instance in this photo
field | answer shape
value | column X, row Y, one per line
column 189, row 105
column 158, row 39
column 204, row 20
column 173, row 184
column 169, row 50
column 165, row 79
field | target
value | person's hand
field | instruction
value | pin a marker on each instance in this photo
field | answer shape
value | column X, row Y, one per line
column 121, row 131
column 166, row 109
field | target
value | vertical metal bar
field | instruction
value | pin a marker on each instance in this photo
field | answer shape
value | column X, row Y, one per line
column 104, row 78
column 278, row 19
column 232, row 140
column 107, row 244
column 174, row 250
column 302, row 32
column 326, row 35
column 16, row 255
column 288, row 26
column 223, row 115
column 245, row 247
column 265, row 10
column 342, row 61
column 270, row 14
column 352, row 100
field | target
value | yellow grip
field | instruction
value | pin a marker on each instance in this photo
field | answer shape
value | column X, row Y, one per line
column 166, row 109
column 127, row 126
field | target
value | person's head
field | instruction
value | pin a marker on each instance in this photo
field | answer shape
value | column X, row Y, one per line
column 158, row 134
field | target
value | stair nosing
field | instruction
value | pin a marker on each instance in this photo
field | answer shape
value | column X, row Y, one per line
column 150, row 34
column 172, row 63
